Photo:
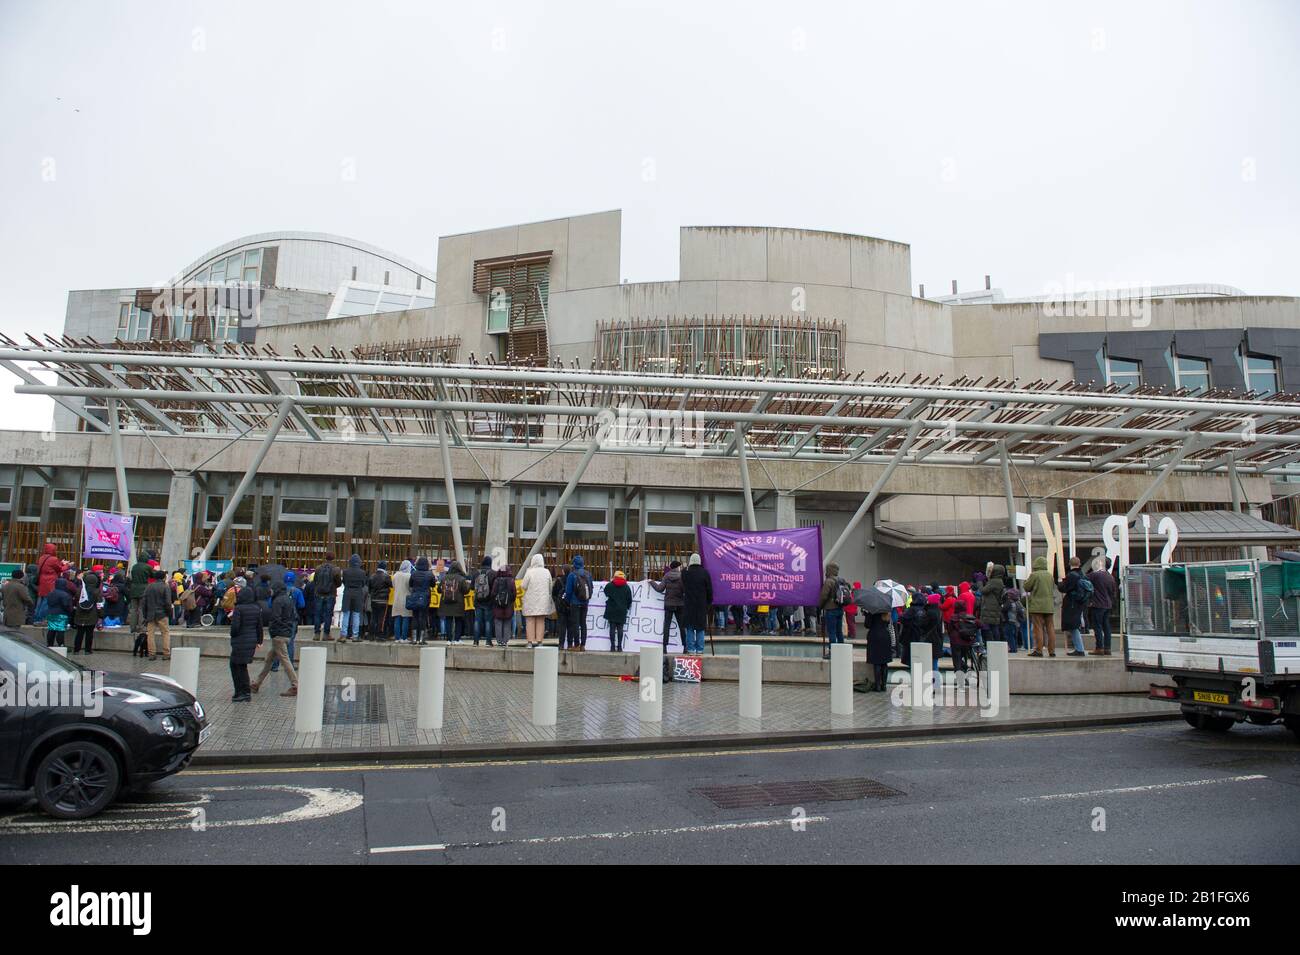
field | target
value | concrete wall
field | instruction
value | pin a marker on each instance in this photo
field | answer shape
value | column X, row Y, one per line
column 347, row 333
column 584, row 277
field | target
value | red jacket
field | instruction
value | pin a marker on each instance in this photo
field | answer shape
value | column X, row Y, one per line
column 48, row 569
column 966, row 597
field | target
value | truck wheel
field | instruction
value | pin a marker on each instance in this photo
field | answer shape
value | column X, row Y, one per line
column 1262, row 720
column 77, row 780
column 1202, row 721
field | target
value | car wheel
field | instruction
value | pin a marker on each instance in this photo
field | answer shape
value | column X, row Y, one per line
column 77, row 780
column 1202, row 721
column 1262, row 720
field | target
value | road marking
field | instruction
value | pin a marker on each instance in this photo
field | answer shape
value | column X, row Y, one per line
column 1155, row 787
column 182, row 813
column 632, row 834
column 683, row 754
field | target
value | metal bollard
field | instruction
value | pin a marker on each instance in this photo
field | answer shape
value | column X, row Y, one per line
column 546, row 685
column 842, row 679
column 433, row 675
column 1000, row 663
column 922, row 664
column 751, row 681
column 651, row 709
column 311, row 689
column 185, row 668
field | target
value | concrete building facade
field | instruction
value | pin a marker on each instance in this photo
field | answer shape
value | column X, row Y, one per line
column 748, row 301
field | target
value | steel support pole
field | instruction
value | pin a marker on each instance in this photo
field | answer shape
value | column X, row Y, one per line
column 870, row 499
column 119, row 465
column 453, row 512
column 750, row 523
column 1234, row 486
column 1166, row 470
column 229, row 513
column 1006, row 487
column 545, row 532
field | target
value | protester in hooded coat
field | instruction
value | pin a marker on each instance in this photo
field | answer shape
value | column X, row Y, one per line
column 697, row 597
column 618, row 602
column 402, row 614
column 355, row 589
column 503, row 604
column 85, row 614
column 282, row 625
column 245, row 638
column 455, row 586
column 538, row 605
column 879, row 648
column 58, row 612
column 421, row 585
column 48, row 569
column 1039, row 603
column 17, row 600
column 379, row 586
column 576, row 582
column 991, row 614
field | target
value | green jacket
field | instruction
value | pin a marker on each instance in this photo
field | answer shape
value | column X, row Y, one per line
column 139, row 580
column 1039, row 588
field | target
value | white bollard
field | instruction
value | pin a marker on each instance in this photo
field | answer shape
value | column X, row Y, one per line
column 922, row 664
column 185, row 668
column 842, row 679
column 433, row 675
column 751, row 681
column 61, row 651
column 546, row 685
column 1000, row 664
column 311, row 689
column 651, row 691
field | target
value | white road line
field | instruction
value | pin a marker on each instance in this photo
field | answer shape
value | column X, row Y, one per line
column 435, row 847
column 1145, row 789
column 552, row 840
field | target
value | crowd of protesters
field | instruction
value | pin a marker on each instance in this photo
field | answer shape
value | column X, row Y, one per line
column 426, row 599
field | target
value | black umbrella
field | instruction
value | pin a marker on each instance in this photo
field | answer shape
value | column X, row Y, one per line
column 871, row 600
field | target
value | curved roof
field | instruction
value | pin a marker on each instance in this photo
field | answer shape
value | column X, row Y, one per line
column 268, row 238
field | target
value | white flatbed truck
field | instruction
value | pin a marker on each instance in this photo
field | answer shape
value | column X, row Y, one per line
column 1226, row 633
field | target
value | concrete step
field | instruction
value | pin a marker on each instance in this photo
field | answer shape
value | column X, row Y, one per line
column 1046, row 675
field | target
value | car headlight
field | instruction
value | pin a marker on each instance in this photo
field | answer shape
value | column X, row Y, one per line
column 198, row 710
column 172, row 726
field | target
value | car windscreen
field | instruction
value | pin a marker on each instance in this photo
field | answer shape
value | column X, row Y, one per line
column 16, row 652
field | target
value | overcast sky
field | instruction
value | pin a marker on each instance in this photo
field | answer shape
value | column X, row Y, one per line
column 1118, row 144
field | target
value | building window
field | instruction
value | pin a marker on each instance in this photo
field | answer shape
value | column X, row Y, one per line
column 1262, row 375
column 133, row 324
column 1191, row 373
column 1123, row 372
column 395, row 517
column 306, row 509
column 498, row 316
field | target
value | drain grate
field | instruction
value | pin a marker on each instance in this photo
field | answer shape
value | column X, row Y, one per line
column 797, row 792
column 364, row 704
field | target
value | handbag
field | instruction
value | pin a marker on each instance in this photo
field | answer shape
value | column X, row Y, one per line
column 412, row 601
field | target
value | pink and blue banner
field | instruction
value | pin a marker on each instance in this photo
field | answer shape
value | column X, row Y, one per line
column 781, row 568
column 107, row 536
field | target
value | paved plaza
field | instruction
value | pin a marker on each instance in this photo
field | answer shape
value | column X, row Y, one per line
column 496, row 709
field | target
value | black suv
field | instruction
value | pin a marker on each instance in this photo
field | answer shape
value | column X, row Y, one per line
column 78, row 736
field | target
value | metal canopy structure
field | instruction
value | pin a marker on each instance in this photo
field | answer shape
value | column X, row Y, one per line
column 240, row 392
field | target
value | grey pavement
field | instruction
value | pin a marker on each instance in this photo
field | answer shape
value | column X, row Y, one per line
column 495, row 709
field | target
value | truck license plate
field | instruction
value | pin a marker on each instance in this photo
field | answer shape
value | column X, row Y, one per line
column 1203, row 696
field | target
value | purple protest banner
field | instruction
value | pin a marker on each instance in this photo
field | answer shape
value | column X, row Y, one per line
column 107, row 535
column 781, row 568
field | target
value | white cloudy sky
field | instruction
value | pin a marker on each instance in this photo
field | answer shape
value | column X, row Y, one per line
column 1119, row 143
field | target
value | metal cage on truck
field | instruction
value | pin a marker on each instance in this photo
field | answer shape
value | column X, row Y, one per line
column 1235, row 618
